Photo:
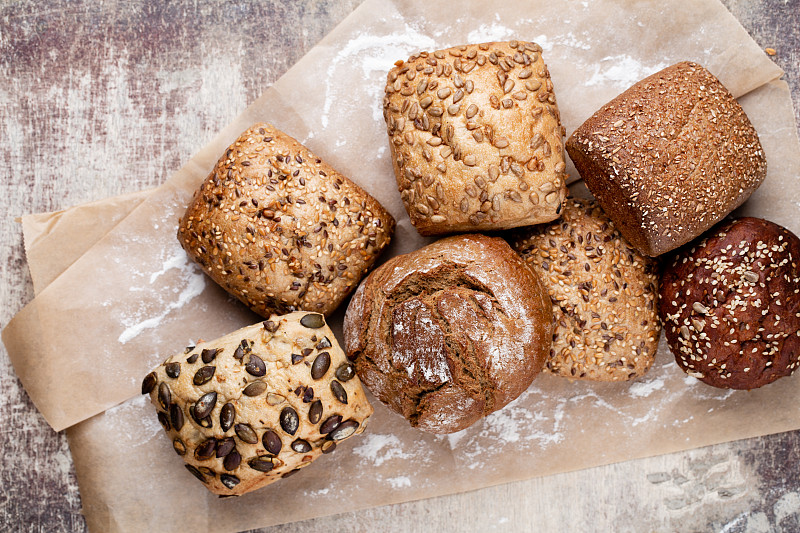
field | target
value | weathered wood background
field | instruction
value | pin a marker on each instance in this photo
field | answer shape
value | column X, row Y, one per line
column 100, row 98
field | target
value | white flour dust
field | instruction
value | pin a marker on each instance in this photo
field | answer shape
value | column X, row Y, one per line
column 643, row 389
column 374, row 56
column 379, row 448
column 621, row 70
column 128, row 421
column 191, row 284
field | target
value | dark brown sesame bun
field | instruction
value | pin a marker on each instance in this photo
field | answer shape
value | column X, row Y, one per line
column 670, row 157
column 730, row 305
column 280, row 229
column 451, row 332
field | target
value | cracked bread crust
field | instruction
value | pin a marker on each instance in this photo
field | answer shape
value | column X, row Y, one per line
column 730, row 305
column 669, row 157
column 449, row 333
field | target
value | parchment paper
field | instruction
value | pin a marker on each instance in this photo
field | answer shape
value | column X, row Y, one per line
column 552, row 428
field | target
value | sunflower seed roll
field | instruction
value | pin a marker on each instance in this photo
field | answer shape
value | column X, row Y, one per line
column 476, row 138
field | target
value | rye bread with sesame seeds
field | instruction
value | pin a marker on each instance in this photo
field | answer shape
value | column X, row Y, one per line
column 280, row 229
column 670, row 157
column 730, row 305
column 603, row 290
column 449, row 333
column 256, row 405
column 476, row 138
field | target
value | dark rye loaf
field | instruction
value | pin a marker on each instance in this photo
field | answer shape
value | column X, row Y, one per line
column 451, row 332
column 669, row 158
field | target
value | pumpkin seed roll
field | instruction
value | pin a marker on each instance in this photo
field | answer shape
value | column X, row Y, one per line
column 476, row 138
column 280, row 229
column 260, row 403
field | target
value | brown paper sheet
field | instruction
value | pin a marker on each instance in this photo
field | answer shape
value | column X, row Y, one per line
column 136, row 293
column 545, row 430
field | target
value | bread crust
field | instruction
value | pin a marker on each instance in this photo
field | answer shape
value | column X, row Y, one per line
column 730, row 305
column 451, row 332
column 476, row 138
column 670, row 157
column 280, row 229
column 268, row 390
column 604, row 294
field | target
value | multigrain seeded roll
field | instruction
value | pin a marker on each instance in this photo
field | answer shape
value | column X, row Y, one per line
column 603, row 292
column 449, row 333
column 731, row 305
column 280, row 229
column 669, row 158
column 254, row 406
column 476, row 138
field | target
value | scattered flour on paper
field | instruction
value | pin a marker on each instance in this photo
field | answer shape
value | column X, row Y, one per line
column 193, row 282
column 399, row 482
column 126, row 421
column 379, row 448
column 374, row 55
column 643, row 389
column 621, row 70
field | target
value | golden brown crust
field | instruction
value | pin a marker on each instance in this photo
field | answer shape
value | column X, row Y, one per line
column 669, row 157
column 451, row 332
column 731, row 305
column 268, row 400
column 603, row 293
column 280, row 229
column 476, row 138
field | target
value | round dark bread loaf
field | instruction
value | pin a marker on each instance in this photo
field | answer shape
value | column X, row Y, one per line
column 451, row 332
column 731, row 305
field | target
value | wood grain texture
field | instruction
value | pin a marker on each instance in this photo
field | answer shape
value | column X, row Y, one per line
column 105, row 98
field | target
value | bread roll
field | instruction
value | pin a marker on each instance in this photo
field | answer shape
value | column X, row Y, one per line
column 476, row 138
column 254, row 406
column 669, row 158
column 730, row 305
column 449, row 333
column 604, row 294
column 280, row 229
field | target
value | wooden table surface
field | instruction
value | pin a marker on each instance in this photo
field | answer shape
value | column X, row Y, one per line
column 101, row 98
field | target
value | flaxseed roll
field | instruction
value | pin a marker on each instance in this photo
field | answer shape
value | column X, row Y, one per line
column 476, row 138
column 449, row 333
column 260, row 403
column 730, row 305
column 280, row 229
column 604, row 294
